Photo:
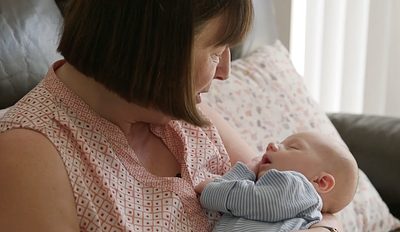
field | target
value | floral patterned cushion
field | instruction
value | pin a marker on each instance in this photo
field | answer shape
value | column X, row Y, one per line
column 266, row 100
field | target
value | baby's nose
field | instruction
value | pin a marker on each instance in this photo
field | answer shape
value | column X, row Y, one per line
column 272, row 146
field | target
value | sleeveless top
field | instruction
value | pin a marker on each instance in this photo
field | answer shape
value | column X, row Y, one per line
column 112, row 190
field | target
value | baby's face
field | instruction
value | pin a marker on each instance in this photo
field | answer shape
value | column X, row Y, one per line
column 296, row 153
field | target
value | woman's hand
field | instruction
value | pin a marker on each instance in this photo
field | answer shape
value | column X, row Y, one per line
column 327, row 220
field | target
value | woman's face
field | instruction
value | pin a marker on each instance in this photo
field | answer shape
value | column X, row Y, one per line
column 211, row 62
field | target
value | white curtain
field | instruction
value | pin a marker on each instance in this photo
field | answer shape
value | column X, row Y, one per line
column 349, row 53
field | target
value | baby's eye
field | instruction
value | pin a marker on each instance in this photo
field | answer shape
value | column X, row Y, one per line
column 294, row 146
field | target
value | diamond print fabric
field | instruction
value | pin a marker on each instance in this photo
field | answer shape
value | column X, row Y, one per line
column 113, row 192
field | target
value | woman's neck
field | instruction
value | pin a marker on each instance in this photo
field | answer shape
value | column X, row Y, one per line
column 106, row 103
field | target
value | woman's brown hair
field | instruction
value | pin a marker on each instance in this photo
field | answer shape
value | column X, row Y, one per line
column 142, row 49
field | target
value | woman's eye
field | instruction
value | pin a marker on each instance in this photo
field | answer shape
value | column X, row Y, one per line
column 216, row 57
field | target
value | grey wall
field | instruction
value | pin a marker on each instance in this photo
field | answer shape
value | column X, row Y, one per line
column 282, row 12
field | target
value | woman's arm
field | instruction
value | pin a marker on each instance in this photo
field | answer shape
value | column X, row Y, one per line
column 36, row 193
column 237, row 148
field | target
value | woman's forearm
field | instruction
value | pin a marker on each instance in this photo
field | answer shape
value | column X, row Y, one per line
column 236, row 147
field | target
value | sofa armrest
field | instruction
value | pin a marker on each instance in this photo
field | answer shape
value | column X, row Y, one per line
column 375, row 143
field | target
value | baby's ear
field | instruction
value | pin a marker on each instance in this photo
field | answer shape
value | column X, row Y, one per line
column 324, row 182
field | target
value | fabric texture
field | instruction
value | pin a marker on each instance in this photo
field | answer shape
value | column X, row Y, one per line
column 266, row 100
column 3, row 111
column 278, row 201
column 113, row 192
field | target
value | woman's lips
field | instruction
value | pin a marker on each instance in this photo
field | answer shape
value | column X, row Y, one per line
column 198, row 98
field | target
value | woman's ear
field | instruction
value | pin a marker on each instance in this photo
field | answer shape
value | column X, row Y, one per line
column 324, row 182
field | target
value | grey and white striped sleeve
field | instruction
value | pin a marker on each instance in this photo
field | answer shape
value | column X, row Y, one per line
column 274, row 197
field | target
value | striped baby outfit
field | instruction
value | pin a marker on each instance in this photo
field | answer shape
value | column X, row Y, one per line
column 278, row 201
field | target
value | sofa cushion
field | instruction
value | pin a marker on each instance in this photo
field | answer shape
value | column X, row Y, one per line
column 29, row 36
column 266, row 100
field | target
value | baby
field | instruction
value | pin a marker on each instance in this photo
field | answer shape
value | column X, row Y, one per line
column 287, row 188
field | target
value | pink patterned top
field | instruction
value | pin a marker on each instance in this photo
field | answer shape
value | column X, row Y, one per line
column 113, row 192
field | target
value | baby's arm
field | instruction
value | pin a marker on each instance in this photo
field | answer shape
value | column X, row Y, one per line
column 200, row 187
column 215, row 193
column 235, row 174
column 270, row 199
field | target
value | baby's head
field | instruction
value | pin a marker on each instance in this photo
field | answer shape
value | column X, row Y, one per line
column 325, row 162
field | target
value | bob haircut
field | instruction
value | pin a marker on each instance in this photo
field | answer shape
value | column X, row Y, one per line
column 143, row 49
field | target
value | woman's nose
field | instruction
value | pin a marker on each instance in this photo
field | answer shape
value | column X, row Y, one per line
column 272, row 147
column 224, row 66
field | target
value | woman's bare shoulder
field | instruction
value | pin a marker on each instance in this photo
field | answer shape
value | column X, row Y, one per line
column 35, row 188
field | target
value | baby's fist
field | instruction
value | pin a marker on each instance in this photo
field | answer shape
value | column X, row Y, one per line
column 254, row 164
column 199, row 188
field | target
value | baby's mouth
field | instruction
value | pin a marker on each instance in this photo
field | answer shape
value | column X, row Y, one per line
column 265, row 159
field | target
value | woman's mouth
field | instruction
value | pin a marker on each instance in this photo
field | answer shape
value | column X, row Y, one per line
column 198, row 95
column 198, row 98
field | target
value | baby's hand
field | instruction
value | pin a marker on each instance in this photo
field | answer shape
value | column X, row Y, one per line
column 199, row 188
column 254, row 164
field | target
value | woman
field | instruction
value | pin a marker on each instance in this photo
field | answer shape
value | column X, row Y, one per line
column 112, row 139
